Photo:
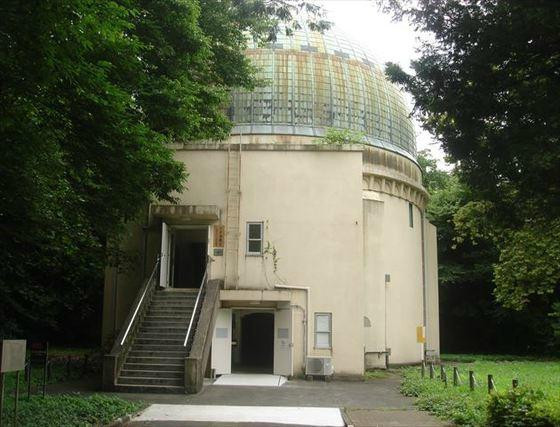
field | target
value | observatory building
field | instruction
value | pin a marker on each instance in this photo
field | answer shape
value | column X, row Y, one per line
column 289, row 253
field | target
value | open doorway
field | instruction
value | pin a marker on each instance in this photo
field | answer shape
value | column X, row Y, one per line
column 189, row 247
column 254, row 342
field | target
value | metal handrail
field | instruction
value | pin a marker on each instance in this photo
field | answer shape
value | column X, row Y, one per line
column 140, row 302
column 187, row 336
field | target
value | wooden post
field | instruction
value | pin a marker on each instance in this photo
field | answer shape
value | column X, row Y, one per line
column 45, row 377
column 490, row 383
column 68, row 367
column 515, row 383
column 471, row 380
column 16, row 401
column 423, row 369
column 441, row 371
column 1, row 396
column 84, row 370
column 443, row 375
column 431, row 370
column 455, row 376
column 29, row 381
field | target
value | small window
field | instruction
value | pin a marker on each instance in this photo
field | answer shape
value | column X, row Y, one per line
column 254, row 238
column 323, row 330
column 410, row 215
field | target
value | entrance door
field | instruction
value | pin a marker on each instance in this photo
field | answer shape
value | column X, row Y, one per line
column 164, row 260
column 221, row 343
column 190, row 248
column 283, row 345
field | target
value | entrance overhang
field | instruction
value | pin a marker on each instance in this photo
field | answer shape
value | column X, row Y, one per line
column 254, row 298
column 186, row 214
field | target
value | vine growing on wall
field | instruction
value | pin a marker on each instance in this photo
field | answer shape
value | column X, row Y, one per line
column 270, row 249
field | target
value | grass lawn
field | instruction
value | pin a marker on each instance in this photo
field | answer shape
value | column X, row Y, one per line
column 70, row 409
column 465, row 407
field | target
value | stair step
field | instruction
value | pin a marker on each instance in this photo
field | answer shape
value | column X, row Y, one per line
column 158, row 354
column 155, row 360
column 179, row 316
column 159, row 367
column 164, row 324
column 145, row 373
column 155, row 341
column 157, row 347
column 181, row 330
column 138, row 388
column 151, row 381
column 166, row 311
column 167, row 307
column 161, row 335
column 177, row 292
column 172, row 307
column 172, row 303
column 167, row 318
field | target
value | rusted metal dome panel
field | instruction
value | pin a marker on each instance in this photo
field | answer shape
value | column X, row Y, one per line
column 316, row 81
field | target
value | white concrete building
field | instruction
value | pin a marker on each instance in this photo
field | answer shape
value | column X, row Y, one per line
column 323, row 248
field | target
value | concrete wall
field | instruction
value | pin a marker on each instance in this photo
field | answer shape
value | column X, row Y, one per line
column 432, row 298
column 330, row 235
column 394, row 309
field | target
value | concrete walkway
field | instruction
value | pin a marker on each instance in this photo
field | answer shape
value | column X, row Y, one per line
column 260, row 380
column 365, row 404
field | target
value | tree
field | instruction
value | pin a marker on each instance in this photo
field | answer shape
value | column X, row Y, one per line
column 485, row 86
column 91, row 92
column 471, row 319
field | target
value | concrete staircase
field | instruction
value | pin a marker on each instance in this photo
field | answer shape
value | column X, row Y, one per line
column 156, row 360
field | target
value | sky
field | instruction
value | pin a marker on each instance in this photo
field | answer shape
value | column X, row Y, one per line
column 389, row 41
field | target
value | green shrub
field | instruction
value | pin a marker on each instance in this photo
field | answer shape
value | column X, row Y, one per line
column 69, row 410
column 519, row 408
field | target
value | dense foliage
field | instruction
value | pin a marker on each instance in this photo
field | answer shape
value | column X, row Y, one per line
column 485, row 86
column 471, row 317
column 535, row 403
column 91, row 92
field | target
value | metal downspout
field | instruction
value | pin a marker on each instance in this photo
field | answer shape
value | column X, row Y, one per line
column 424, row 293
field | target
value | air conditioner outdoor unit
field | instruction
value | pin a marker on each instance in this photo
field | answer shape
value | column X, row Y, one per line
column 320, row 366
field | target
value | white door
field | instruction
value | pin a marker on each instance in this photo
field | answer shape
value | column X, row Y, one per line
column 283, row 343
column 164, row 261
column 221, row 343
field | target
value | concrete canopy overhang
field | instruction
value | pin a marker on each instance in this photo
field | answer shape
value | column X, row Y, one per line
column 254, row 298
column 186, row 214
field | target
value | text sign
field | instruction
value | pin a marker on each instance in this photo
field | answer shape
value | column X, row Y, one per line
column 12, row 355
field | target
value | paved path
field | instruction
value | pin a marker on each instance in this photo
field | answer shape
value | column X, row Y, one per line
column 366, row 404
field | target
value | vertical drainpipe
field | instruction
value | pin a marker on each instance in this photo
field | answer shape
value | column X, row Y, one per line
column 424, row 296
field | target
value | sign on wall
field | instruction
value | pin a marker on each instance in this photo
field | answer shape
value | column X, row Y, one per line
column 420, row 334
column 219, row 236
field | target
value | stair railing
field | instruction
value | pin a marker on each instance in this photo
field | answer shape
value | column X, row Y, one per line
column 114, row 360
column 197, row 306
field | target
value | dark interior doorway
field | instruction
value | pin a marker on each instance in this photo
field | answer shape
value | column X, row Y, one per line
column 257, row 343
column 189, row 254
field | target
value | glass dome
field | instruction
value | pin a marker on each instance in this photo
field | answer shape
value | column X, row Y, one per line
column 316, row 81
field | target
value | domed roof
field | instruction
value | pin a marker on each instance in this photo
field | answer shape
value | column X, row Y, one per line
column 316, row 81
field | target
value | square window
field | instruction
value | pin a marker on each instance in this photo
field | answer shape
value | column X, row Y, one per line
column 254, row 238
column 323, row 330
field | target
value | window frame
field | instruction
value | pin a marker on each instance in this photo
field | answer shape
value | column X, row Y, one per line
column 329, row 332
column 410, row 215
column 248, row 252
